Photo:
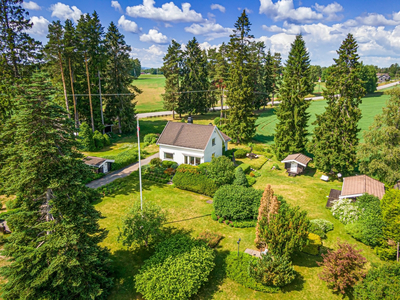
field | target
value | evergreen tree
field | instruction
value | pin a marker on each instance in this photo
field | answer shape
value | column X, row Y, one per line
column 335, row 139
column 53, row 248
column 118, row 81
column 136, row 68
column 241, row 120
column 86, row 135
column 268, row 77
column 194, row 78
column 390, row 205
column 380, row 153
column 240, row 178
column 291, row 129
column 258, row 53
column 277, row 59
column 19, row 52
column 172, row 72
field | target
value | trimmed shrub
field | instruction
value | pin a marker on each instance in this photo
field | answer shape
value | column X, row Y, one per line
column 214, row 216
column 251, row 180
column 189, row 178
column 240, row 178
column 177, row 270
column 237, row 202
column 240, row 153
column 220, row 220
column 381, row 282
column 314, row 244
column 107, row 140
column 203, row 167
column 156, row 162
column 272, row 270
column 237, row 270
column 150, row 138
column 245, row 167
column 210, row 238
column 167, row 164
column 221, row 170
column 98, row 140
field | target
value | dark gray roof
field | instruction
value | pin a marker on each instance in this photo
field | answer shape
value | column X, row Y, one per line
column 186, row 135
column 94, row 161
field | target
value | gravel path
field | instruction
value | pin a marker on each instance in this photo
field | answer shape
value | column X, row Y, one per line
column 119, row 173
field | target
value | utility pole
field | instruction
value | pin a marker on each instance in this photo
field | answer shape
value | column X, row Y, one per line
column 101, row 102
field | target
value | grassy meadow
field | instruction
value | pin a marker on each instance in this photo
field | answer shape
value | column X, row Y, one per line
column 150, row 99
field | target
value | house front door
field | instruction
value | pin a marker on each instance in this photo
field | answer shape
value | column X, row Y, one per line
column 293, row 167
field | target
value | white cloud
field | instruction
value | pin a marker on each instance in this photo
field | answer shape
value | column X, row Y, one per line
column 63, row 11
column 210, row 30
column 248, row 10
column 168, row 12
column 207, row 46
column 219, row 7
column 330, row 11
column 154, row 37
column 128, row 25
column 150, row 57
column 284, row 10
column 374, row 19
column 31, row 5
column 272, row 28
column 40, row 26
column 117, row 6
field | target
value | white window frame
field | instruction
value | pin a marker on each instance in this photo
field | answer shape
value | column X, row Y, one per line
column 213, row 143
column 187, row 158
column 165, row 155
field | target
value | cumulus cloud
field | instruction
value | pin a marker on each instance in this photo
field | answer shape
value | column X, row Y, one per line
column 207, row 46
column 154, row 37
column 219, row 7
column 149, row 57
column 374, row 19
column 39, row 26
column 31, row 5
column 247, row 10
column 330, row 11
column 168, row 12
column 128, row 25
column 210, row 30
column 117, row 6
column 63, row 11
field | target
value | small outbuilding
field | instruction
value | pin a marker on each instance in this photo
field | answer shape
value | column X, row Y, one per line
column 100, row 165
column 295, row 164
column 356, row 186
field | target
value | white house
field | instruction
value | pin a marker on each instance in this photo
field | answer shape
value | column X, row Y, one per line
column 186, row 143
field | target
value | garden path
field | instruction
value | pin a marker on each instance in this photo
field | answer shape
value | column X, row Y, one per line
column 120, row 173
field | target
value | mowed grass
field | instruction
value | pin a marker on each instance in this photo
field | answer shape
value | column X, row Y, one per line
column 190, row 211
column 371, row 106
column 152, row 87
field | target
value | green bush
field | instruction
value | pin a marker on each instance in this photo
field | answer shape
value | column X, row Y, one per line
column 156, row 162
column 240, row 178
column 220, row 220
column 240, row 153
column 270, row 155
column 237, row 202
column 167, row 164
column 177, row 270
column 320, row 227
column 221, row 170
column 216, row 121
column 204, row 167
column 237, row 270
column 245, row 167
column 272, row 270
column 244, row 224
column 98, row 140
column 251, row 180
column 276, row 166
column 259, row 149
column 107, row 140
column 214, row 216
column 386, row 253
column 150, row 138
column 381, row 282
column 124, row 159
column 190, row 178
column 86, row 137
column 314, row 244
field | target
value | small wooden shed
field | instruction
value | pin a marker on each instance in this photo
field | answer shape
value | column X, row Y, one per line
column 296, row 163
column 100, row 165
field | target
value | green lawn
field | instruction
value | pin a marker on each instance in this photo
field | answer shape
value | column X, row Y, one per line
column 152, row 87
column 371, row 106
column 190, row 211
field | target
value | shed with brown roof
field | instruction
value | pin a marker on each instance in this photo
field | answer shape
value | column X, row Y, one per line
column 296, row 163
column 101, row 165
column 356, row 186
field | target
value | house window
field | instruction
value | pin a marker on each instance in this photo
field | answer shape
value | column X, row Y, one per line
column 191, row 160
column 213, row 141
column 168, row 155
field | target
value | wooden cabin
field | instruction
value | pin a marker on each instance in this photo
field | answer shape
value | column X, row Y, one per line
column 100, row 165
column 295, row 164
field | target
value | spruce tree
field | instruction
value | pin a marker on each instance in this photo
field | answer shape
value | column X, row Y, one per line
column 172, row 72
column 291, row 129
column 335, row 139
column 277, row 59
column 380, row 153
column 19, row 52
column 118, row 81
column 240, row 98
column 194, row 79
column 53, row 250
column 258, row 54
column 268, row 79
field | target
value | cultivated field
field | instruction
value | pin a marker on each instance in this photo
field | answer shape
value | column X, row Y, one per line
column 152, row 87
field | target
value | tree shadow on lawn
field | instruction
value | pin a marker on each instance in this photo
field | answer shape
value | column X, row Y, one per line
column 296, row 285
column 263, row 138
column 310, row 172
column 207, row 215
column 306, row 260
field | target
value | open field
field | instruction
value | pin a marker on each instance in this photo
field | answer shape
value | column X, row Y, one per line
column 187, row 210
column 152, row 87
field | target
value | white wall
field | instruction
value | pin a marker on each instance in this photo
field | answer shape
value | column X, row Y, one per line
column 217, row 149
column 179, row 153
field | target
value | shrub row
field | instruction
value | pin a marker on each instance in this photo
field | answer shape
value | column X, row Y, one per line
column 155, row 178
column 245, row 168
column 190, row 178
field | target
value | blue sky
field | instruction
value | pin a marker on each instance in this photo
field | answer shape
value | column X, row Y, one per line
column 150, row 25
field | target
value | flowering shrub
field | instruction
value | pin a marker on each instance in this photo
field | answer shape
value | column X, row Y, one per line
column 344, row 210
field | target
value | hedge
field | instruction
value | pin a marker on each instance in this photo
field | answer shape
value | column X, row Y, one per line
column 189, row 178
column 240, row 153
column 314, row 244
column 251, row 180
column 237, row 270
column 237, row 202
column 245, row 168
column 177, row 270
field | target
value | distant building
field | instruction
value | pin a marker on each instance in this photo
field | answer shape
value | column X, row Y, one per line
column 382, row 77
column 193, row 144
column 101, row 165
column 295, row 164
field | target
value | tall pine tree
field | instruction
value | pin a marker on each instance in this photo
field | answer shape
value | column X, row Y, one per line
column 240, row 98
column 291, row 129
column 335, row 139
column 268, row 79
column 53, row 249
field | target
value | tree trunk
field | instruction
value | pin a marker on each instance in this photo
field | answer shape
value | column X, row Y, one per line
column 90, row 94
column 222, row 104
column 101, row 103
column 173, row 113
column 63, row 82
column 119, row 124
column 73, row 93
